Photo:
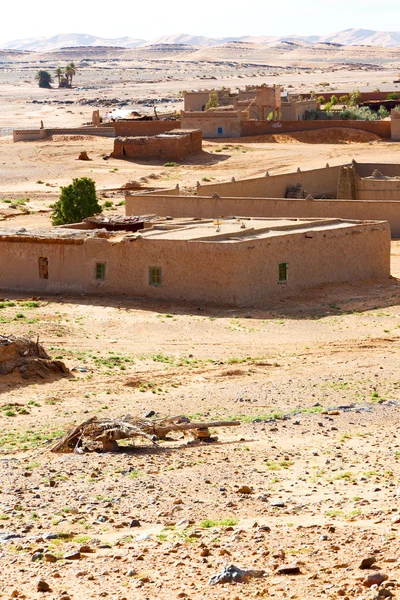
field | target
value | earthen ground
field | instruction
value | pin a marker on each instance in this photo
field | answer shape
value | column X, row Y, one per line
column 313, row 380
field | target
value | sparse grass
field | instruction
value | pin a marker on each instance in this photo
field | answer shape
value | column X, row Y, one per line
column 228, row 522
column 171, row 164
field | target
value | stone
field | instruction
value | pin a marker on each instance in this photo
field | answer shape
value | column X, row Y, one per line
column 43, row 586
column 385, row 593
column 367, row 563
column 50, row 557
column 83, row 156
column 5, row 536
column 37, row 556
column 288, row 570
column 233, row 574
column 50, row 536
column 72, row 556
column 134, row 523
column 278, row 504
column 375, row 579
column 245, row 489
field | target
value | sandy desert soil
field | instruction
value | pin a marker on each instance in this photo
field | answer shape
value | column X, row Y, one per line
column 310, row 478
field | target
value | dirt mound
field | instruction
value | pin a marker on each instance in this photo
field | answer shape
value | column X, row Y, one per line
column 28, row 357
column 331, row 135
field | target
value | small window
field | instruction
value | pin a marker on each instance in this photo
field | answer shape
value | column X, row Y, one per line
column 43, row 267
column 282, row 272
column 155, row 276
column 220, row 131
column 100, row 271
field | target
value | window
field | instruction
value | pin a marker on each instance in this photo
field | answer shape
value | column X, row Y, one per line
column 155, row 276
column 282, row 272
column 219, row 131
column 100, row 271
column 43, row 267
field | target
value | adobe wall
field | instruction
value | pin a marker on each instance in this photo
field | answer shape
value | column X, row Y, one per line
column 210, row 122
column 195, row 100
column 251, row 128
column 196, row 271
column 210, row 208
column 20, row 135
column 365, row 96
column 166, row 147
column 137, row 128
column 316, row 182
column 378, row 189
column 387, row 169
column 295, row 110
column 395, row 125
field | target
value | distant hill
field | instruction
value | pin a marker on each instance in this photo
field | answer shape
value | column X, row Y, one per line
column 348, row 37
column 47, row 44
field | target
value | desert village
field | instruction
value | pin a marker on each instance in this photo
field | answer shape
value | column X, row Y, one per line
column 201, row 247
column 199, row 381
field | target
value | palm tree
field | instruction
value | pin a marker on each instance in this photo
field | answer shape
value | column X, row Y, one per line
column 70, row 71
column 59, row 74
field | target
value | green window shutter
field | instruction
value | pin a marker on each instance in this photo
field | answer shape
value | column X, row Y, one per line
column 100, row 270
column 282, row 272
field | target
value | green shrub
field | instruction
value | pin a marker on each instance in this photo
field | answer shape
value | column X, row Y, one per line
column 77, row 202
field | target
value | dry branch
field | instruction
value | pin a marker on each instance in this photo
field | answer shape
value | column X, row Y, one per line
column 109, row 431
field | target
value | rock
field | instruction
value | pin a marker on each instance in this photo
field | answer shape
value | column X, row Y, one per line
column 5, row 536
column 375, row 579
column 83, row 156
column 134, row 523
column 367, row 563
column 266, row 528
column 151, row 413
column 37, row 556
column 233, row 574
column 43, row 586
column 50, row 536
column 131, row 573
column 72, row 556
column 86, row 550
column 50, row 557
column 245, row 489
column 288, row 570
column 385, row 593
column 278, row 504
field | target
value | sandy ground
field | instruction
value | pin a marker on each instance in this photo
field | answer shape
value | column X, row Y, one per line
column 313, row 380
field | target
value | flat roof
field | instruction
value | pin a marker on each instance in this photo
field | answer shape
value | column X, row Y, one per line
column 228, row 230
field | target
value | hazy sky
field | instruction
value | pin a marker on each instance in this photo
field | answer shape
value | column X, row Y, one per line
column 29, row 18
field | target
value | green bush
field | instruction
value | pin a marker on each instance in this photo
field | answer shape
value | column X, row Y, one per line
column 44, row 79
column 77, row 202
column 392, row 96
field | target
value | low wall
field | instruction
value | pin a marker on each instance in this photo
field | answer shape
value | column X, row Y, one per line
column 20, row 135
column 378, row 189
column 365, row 96
column 144, row 128
column 211, row 208
column 252, row 128
column 317, row 182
